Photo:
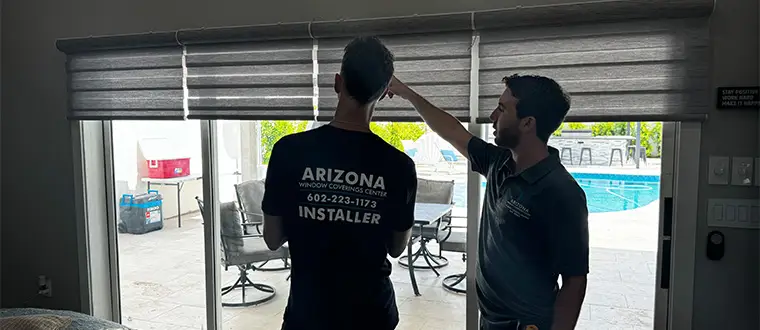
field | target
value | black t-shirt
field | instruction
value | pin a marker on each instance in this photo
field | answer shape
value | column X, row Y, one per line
column 341, row 195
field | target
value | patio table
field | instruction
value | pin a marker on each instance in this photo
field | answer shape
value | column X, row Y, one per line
column 424, row 214
column 178, row 182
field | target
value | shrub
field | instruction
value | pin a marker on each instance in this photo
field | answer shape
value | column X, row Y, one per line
column 273, row 130
column 393, row 133
column 651, row 137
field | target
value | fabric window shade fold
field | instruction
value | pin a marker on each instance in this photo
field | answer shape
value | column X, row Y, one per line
column 435, row 65
column 627, row 59
column 629, row 71
column 126, row 84
column 253, row 80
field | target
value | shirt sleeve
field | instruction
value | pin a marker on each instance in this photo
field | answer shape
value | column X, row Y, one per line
column 569, row 235
column 275, row 188
column 483, row 155
column 403, row 208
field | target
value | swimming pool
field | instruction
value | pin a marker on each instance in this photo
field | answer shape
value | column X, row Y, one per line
column 605, row 192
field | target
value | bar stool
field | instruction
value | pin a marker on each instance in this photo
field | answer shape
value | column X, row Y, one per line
column 562, row 154
column 612, row 155
column 632, row 153
column 590, row 160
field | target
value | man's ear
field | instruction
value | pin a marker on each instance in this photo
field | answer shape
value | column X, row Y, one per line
column 338, row 83
column 528, row 123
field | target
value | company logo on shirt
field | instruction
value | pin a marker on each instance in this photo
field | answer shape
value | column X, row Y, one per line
column 340, row 195
column 517, row 209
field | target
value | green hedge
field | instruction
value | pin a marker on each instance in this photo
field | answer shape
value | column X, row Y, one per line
column 273, row 130
column 394, row 133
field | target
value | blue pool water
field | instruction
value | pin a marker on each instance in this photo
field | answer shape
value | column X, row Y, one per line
column 604, row 192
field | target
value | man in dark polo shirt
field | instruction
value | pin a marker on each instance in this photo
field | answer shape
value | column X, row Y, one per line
column 343, row 199
column 534, row 223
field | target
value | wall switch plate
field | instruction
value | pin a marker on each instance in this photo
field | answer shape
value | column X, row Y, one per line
column 742, row 171
column 757, row 171
column 719, row 170
column 733, row 213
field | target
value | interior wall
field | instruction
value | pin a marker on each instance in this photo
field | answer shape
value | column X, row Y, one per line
column 37, row 184
column 727, row 291
column 1, row 203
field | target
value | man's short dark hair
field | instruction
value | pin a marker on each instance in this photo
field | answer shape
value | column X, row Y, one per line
column 542, row 98
column 367, row 68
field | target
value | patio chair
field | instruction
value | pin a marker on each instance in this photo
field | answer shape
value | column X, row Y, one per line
column 242, row 251
column 455, row 242
column 439, row 192
column 249, row 196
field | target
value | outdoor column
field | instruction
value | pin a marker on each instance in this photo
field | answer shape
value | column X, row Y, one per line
column 250, row 145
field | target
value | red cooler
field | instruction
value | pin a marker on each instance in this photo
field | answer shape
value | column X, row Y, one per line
column 163, row 158
column 168, row 168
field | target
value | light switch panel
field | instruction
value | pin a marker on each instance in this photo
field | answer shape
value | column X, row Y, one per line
column 742, row 171
column 757, row 171
column 719, row 171
column 733, row 213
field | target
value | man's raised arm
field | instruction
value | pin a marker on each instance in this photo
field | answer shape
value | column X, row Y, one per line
column 442, row 123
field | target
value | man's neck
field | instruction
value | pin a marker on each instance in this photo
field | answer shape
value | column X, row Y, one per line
column 528, row 154
column 351, row 117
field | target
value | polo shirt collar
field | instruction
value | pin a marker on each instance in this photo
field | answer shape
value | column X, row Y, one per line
column 540, row 169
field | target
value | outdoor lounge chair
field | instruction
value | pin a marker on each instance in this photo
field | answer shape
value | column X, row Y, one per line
column 438, row 192
column 249, row 196
column 242, row 251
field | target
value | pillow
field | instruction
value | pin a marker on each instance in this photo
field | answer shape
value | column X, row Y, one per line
column 231, row 227
column 35, row 322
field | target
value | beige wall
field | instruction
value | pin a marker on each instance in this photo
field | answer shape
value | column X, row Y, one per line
column 39, row 225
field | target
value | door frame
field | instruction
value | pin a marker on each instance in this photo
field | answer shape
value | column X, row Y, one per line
column 96, row 205
column 211, row 225
column 674, row 290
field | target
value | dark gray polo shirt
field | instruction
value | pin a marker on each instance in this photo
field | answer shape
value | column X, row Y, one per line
column 534, row 227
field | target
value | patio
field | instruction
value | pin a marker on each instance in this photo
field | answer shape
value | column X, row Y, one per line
column 162, row 281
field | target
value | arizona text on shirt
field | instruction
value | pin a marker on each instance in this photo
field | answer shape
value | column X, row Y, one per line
column 333, row 200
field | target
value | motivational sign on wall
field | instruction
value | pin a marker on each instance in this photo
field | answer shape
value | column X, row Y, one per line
column 738, row 98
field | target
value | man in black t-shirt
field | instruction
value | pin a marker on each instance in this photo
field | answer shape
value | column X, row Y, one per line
column 343, row 200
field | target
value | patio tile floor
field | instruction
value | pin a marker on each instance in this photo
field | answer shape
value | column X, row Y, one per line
column 162, row 287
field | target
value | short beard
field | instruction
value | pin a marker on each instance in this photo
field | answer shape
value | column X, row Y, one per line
column 506, row 139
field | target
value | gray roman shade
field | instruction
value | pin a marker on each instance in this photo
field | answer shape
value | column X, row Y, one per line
column 251, row 80
column 622, row 60
column 435, row 65
column 629, row 71
column 126, row 84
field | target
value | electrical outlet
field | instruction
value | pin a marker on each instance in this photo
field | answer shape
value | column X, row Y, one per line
column 719, row 171
column 44, row 286
column 741, row 171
